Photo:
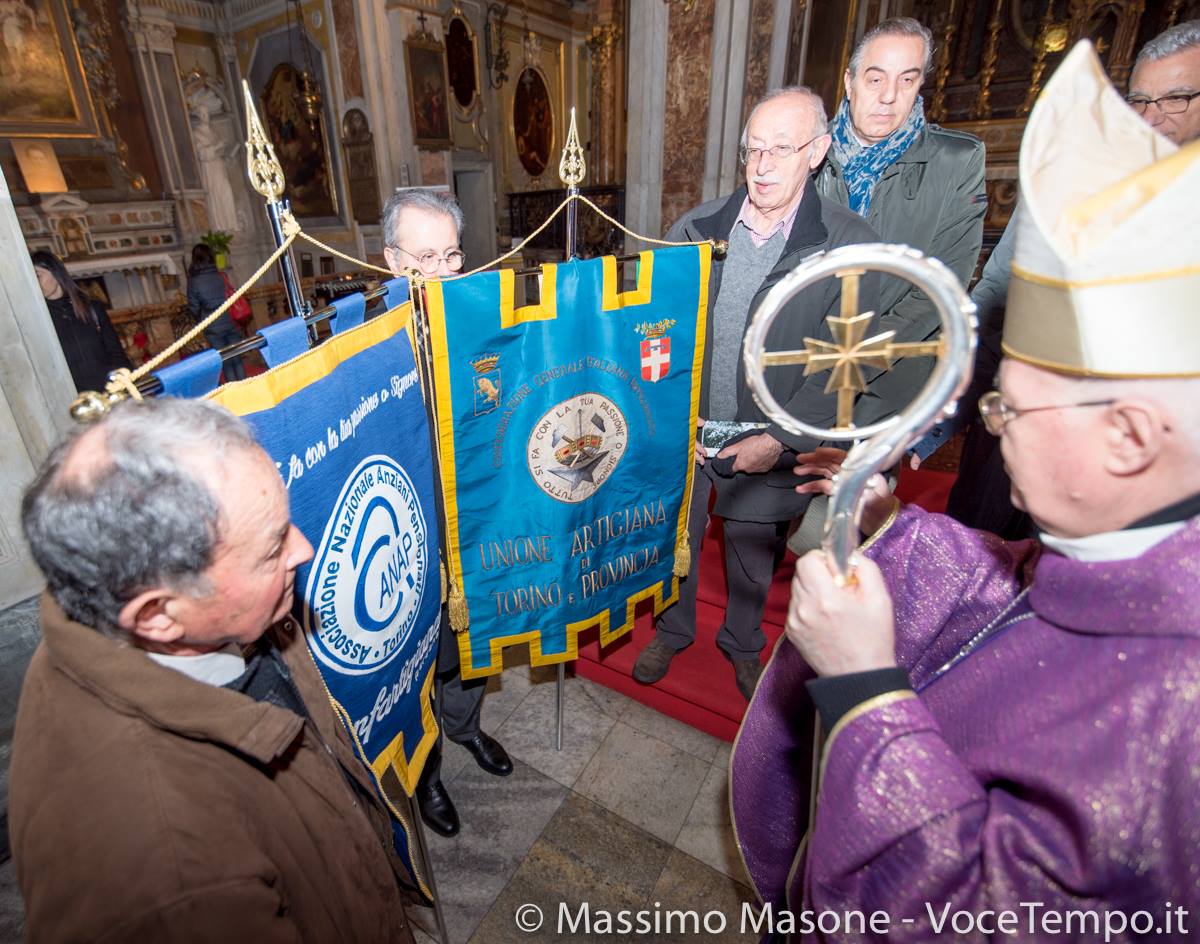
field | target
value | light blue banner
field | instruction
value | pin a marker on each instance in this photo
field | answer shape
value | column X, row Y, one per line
column 566, row 432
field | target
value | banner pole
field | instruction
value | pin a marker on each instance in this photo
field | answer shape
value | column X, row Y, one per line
column 423, row 852
column 571, row 171
column 266, row 177
column 277, row 212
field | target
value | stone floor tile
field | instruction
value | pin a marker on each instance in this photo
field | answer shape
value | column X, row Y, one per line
column 707, row 834
column 689, row 886
column 587, row 856
column 721, row 758
column 645, row 780
column 683, row 736
column 504, row 693
column 528, row 734
column 592, row 696
column 12, row 908
column 501, row 817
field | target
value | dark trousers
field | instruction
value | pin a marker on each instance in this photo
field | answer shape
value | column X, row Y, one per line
column 222, row 333
column 458, row 704
column 753, row 552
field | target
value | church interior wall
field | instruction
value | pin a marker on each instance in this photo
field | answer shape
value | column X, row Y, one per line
column 661, row 89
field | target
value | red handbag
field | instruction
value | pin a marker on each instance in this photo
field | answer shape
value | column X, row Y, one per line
column 240, row 311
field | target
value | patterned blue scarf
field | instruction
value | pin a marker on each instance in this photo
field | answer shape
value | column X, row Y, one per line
column 863, row 166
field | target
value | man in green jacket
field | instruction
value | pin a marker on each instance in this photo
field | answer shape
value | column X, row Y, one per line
column 178, row 772
column 914, row 182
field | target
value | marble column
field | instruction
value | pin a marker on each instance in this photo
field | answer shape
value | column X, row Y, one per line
column 647, row 105
column 36, row 391
column 776, row 77
column 722, row 171
column 606, row 47
column 153, row 36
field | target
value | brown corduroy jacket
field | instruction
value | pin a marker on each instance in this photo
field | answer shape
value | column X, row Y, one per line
column 146, row 806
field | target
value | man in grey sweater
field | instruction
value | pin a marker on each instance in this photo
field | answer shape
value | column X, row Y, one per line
column 772, row 223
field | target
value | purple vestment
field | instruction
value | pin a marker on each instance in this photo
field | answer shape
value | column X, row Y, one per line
column 1058, row 761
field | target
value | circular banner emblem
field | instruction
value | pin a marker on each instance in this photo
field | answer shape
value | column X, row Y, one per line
column 368, row 577
column 576, row 446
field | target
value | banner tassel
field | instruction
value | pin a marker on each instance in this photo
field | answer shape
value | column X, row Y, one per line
column 683, row 556
column 442, row 574
column 460, row 615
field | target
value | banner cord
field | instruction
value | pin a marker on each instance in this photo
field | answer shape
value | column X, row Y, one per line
column 124, row 380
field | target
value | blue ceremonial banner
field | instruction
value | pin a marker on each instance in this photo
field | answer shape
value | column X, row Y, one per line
column 346, row 426
column 566, row 432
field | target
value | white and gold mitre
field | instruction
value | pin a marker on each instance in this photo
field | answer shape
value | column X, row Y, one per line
column 1106, row 267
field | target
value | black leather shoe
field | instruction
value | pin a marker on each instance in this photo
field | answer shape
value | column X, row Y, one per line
column 437, row 809
column 489, row 754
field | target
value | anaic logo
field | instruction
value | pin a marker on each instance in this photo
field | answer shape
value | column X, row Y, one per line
column 368, row 578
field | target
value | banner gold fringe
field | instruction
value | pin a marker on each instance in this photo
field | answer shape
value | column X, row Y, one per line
column 460, row 615
column 683, row 556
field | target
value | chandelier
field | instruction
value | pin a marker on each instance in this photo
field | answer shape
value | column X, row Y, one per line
column 308, row 92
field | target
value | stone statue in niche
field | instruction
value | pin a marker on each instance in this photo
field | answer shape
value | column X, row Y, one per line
column 205, row 102
column 358, row 144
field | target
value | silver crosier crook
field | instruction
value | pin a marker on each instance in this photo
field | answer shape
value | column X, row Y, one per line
column 879, row 445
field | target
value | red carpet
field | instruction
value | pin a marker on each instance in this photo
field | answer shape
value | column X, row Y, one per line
column 699, row 690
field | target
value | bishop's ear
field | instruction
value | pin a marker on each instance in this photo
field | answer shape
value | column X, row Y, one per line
column 1135, row 436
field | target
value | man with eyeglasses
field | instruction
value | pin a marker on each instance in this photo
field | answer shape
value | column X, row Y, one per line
column 1013, row 727
column 772, row 223
column 1165, row 83
column 421, row 232
column 916, row 183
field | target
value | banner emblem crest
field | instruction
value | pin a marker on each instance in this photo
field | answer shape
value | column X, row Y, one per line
column 368, row 579
column 574, row 447
column 487, row 383
column 656, row 349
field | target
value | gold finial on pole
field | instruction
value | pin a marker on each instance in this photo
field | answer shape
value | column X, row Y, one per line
column 266, row 174
column 571, row 169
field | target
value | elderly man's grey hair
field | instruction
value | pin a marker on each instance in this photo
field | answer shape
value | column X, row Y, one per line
column 1177, row 39
column 897, row 26
column 132, row 513
column 820, row 119
column 432, row 201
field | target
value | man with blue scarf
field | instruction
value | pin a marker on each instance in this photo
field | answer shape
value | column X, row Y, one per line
column 914, row 182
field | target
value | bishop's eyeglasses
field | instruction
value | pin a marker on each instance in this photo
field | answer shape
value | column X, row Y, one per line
column 997, row 414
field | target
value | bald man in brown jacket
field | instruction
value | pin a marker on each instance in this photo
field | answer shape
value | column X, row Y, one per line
column 178, row 771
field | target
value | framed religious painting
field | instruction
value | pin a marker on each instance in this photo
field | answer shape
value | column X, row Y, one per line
column 463, row 66
column 533, row 121
column 428, row 97
column 303, row 149
column 43, row 93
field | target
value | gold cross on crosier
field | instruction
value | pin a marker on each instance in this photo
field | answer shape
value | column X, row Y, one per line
column 850, row 351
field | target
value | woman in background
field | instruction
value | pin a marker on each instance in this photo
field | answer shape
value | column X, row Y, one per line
column 206, row 292
column 88, row 340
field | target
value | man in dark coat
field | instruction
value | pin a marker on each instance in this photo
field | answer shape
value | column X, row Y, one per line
column 916, row 184
column 178, row 772
column 421, row 230
column 772, row 223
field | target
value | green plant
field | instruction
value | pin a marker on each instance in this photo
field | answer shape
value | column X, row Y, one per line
column 218, row 241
